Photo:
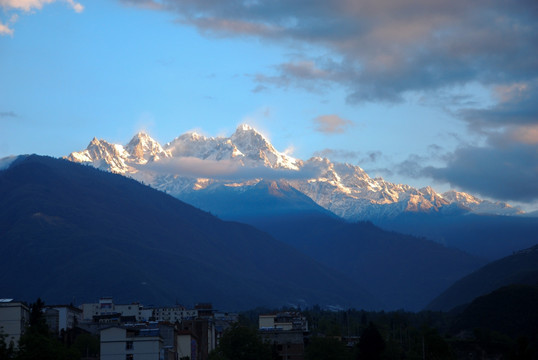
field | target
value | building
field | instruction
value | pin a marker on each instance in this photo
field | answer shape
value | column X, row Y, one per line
column 62, row 317
column 288, row 320
column 204, row 331
column 187, row 345
column 172, row 313
column 131, row 343
column 14, row 318
column 286, row 331
column 106, row 306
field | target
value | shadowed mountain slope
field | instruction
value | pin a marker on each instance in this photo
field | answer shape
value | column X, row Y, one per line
column 248, row 203
column 73, row 232
column 402, row 270
column 520, row 268
column 488, row 236
column 510, row 310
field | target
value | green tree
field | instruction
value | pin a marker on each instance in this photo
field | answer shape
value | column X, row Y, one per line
column 241, row 343
column 38, row 344
column 435, row 347
column 6, row 350
column 327, row 348
column 371, row 343
column 87, row 345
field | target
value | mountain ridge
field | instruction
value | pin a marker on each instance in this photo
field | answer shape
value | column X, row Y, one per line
column 246, row 156
column 518, row 268
column 73, row 231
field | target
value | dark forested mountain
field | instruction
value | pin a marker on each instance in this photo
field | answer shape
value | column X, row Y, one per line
column 488, row 236
column 510, row 310
column 69, row 231
column 402, row 270
column 519, row 268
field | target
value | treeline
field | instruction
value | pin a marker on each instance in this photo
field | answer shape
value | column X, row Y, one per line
column 494, row 326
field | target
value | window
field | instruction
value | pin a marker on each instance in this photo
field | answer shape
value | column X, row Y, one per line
column 129, row 345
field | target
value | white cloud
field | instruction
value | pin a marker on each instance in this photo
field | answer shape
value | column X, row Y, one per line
column 5, row 30
column 76, row 6
column 25, row 5
column 28, row 6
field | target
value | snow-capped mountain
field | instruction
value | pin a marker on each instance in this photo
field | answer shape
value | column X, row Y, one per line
column 121, row 159
column 246, row 146
column 193, row 162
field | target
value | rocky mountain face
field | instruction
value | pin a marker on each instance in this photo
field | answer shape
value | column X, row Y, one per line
column 193, row 162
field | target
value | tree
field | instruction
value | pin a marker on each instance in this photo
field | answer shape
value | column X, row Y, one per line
column 37, row 343
column 6, row 351
column 241, row 343
column 371, row 343
column 327, row 348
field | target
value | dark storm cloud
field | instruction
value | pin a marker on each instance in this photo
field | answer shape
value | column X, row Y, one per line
column 517, row 106
column 381, row 49
column 509, row 173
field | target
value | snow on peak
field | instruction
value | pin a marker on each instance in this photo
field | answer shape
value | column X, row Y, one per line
column 245, row 127
column 199, row 146
column 345, row 189
column 480, row 206
column 257, row 149
column 142, row 148
column 103, row 155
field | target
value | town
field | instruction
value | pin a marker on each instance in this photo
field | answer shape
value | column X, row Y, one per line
column 134, row 331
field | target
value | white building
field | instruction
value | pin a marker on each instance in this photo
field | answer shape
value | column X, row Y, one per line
column 187, row 345
column 119, row 343
column 14, row 317
column 106, row 306
column 62, row 317
column 173, row 313
column 283, row 321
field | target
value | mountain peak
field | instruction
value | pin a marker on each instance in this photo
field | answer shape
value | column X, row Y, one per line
column 247, row 137
column 141, row 135
column 247, row 131
column 245, row 127
column 345, row 189
column 144, row 148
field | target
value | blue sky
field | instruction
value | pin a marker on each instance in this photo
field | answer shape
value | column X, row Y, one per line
column 419, row 92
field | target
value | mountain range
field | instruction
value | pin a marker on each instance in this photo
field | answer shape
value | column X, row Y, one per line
column 73, row 233
column 72, row 230
column 247, row 156
column 314, row 218
column 216, row 174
